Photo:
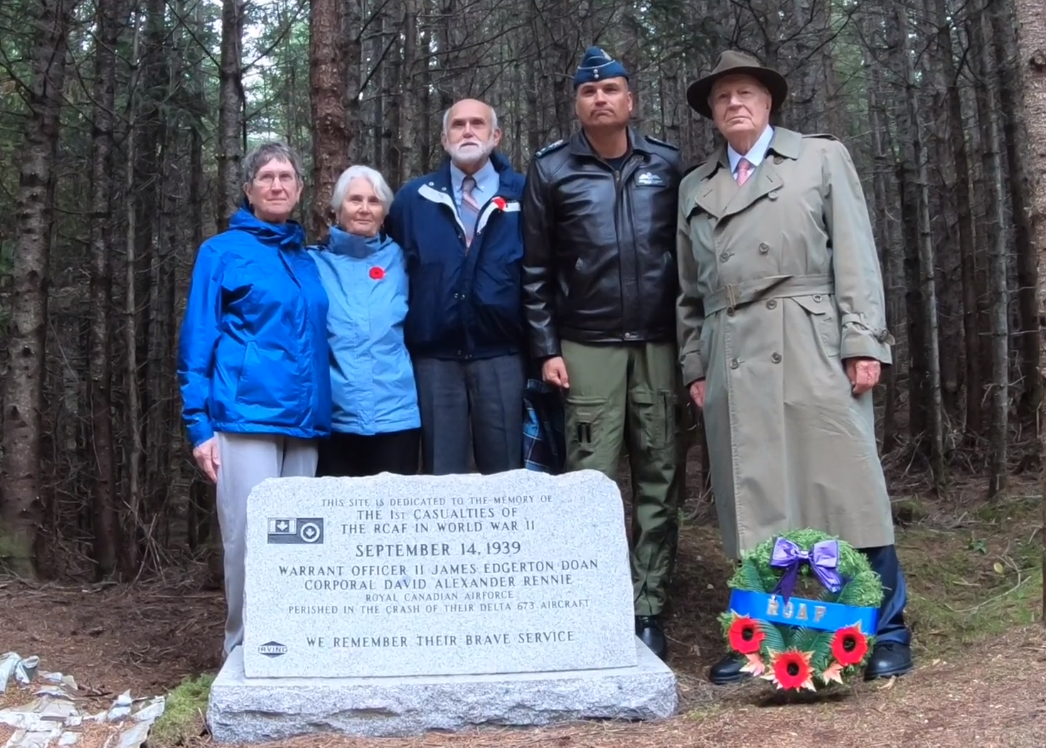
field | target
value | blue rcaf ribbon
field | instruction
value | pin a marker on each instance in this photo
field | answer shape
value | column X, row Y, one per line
column 814, row 614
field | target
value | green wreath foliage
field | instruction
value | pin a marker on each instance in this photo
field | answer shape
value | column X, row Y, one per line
column 861, row 588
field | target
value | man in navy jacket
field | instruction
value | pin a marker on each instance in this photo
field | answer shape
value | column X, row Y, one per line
column 461, row 231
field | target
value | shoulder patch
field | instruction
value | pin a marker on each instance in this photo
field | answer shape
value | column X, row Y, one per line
column 822, row 135
column 550, row 147
column 652, row 139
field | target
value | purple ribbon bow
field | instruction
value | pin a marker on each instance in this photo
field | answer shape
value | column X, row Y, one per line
column 823, row 558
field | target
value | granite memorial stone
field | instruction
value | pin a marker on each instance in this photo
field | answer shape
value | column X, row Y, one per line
column 388, row 576
column 389, row 605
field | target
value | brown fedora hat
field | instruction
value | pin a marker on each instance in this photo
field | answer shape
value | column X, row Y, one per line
column 736, row 63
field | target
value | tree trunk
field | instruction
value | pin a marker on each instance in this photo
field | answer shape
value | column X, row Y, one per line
column 987, row 229
column 20, row 492
column 330, row 136
column 926, row 261
column 997, row 273
column 1015, row 137
column 155, row 49
column 1031, row 39
column 888, row 247
column 100, row 449
column 230, row 114
column 960, row 156
column 134, row 408
column 351, row 31
column 407, row 132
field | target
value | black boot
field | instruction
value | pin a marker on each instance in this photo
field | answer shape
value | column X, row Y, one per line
column 728, row 670
column 889, row 659
column 648, row 629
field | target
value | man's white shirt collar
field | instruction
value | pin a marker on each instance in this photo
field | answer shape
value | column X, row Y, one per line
column 757, row 153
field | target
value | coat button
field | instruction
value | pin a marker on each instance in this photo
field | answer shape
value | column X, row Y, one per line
column 764, row 248
column 776, row 358
column 734, row 364
column 817, row 298
column 724, row 256
column 772, row 304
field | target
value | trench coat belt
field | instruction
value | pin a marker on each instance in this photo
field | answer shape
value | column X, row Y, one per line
column 735, row 295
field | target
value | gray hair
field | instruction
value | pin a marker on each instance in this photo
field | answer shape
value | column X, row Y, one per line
column 381, row 187
column 493, row 119
column 265, row 153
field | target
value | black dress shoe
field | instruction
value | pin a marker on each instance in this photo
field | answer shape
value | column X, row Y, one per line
column 888, row 660
column 728, row 670
column 648, row 629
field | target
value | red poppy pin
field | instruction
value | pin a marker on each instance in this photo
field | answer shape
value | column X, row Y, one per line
column 500, row 202
column 377, row 273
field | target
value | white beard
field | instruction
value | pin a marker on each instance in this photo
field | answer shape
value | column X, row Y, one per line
column 470, row 154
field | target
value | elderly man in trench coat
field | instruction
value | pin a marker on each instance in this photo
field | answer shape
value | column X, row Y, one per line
column 782, row 334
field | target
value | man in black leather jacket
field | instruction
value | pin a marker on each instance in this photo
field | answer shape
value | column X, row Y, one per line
column 600, row 283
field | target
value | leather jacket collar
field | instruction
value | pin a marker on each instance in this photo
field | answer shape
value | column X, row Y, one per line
column 579, row 145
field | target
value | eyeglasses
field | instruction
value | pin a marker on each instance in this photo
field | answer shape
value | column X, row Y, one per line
column 266, row 180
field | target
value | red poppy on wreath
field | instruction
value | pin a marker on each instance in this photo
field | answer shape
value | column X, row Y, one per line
column 500, row 202
column 792, row 670
column 745, row 635
column 377, row 273
column 849, row 646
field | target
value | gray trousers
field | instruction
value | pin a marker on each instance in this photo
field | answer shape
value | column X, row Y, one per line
column 245, row 460
column 471, row 407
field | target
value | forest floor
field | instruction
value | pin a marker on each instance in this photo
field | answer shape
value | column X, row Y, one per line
column 975, row 586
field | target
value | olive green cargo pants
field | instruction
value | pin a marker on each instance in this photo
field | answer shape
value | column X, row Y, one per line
column 627, row 395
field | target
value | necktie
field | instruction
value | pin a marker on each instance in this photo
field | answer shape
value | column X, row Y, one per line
column 469, row 208
column 744, row 170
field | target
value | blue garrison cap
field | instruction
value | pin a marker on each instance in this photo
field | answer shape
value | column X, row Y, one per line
column 597, row 65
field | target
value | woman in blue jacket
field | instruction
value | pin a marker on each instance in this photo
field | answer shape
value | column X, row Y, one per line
column 376, row 421
column 252, row 356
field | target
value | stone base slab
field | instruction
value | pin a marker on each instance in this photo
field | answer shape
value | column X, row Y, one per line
column 253, row 710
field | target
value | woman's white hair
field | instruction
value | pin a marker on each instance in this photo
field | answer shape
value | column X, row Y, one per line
column 381, row 187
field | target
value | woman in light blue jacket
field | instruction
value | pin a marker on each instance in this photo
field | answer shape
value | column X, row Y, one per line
column 376, row 422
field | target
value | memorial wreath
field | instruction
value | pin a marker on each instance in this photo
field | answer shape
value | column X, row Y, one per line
column 825, row 632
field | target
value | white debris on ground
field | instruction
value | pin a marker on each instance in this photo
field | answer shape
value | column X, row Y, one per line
column 52, row 718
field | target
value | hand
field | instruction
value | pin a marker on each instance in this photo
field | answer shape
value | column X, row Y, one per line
column 554, row 372
column 697, row 393
column 863, row 373
column 207, row 458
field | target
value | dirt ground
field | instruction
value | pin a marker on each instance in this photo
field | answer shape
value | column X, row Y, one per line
column 975, row 604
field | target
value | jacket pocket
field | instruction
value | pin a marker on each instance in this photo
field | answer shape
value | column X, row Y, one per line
column 586, row 433
column 654, row 415
column 824, row 322
column 248, row 361
column 269, row 388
